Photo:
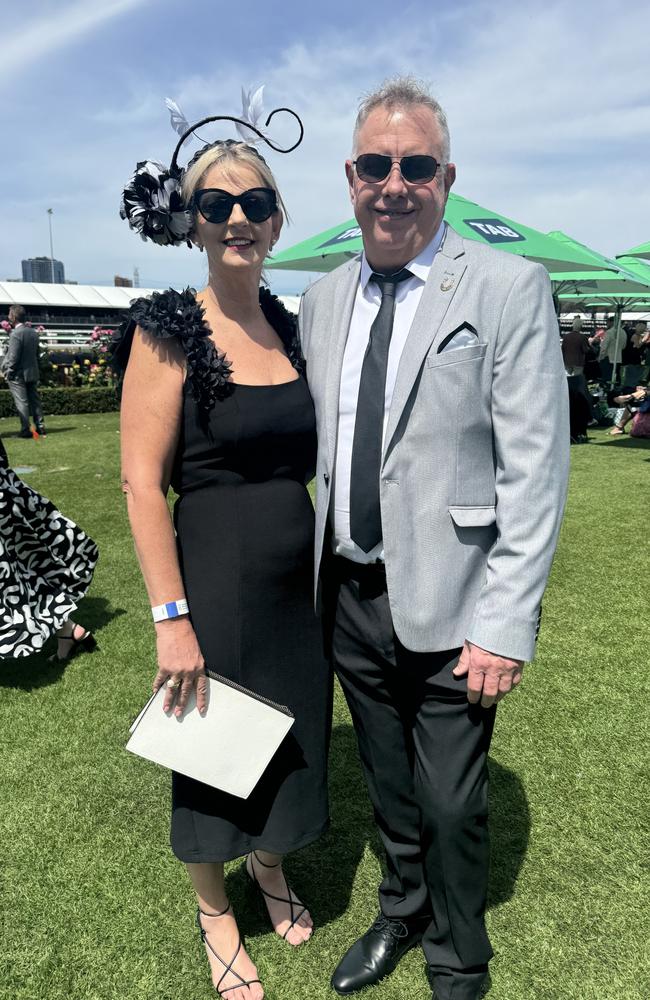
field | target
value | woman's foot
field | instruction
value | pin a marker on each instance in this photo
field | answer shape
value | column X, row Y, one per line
column 616, row 431
column 72, row 638
column 290, row 919
column 233, row 974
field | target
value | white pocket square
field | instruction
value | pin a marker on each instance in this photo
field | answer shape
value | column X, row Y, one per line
column 463, row 339
column 464, row 335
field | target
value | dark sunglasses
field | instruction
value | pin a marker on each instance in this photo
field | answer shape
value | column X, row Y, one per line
column 215, row 205
column 373, row 167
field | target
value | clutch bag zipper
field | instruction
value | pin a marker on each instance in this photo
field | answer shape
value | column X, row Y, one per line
column 251, row 694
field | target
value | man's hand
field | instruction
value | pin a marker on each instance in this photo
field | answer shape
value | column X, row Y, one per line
column 489, row 677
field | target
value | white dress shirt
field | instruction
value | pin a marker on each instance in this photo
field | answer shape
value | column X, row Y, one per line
column 366, row 307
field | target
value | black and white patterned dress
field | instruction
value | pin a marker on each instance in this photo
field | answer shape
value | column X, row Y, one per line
column 46, row 566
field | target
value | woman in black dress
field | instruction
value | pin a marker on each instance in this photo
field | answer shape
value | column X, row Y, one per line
column 215, row 404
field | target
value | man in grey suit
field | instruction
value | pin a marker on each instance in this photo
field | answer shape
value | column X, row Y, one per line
column 20, row 368
column 442, row 410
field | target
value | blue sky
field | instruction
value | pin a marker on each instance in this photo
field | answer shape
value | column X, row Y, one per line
column 548, row 103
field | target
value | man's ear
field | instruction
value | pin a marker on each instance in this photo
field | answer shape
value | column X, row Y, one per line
column 450, row 176
column 349, row 173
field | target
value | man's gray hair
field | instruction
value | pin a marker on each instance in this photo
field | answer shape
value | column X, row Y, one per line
column 397, row 94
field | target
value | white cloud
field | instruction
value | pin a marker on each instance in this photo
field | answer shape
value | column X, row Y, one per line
column 58, row 28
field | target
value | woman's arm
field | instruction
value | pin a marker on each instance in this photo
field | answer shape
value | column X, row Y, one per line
column 151, row 412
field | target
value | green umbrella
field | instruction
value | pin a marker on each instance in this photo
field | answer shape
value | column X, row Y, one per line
column 634, row 302
column 619, row 280
column 642, row 251
column 615, row 277
column 327, row 250
column 573, row 245
column 637, row 267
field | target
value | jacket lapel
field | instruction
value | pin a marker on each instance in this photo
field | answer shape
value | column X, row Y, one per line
column 444, row 278
column 341, row 313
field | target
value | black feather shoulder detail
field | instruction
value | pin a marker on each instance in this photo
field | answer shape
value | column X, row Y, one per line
column 285, row 325
column 178, row 314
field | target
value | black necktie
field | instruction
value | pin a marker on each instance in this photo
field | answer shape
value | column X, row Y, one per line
column 365, row 513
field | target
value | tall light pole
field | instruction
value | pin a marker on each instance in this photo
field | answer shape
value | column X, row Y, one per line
column 49, row 219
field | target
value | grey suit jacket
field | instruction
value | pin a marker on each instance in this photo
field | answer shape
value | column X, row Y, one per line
column 476, row 453
column 21, row 359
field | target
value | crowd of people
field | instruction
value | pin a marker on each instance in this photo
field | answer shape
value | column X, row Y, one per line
column 608, row 377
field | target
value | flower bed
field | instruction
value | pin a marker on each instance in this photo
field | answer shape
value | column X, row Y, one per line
column 92, row 371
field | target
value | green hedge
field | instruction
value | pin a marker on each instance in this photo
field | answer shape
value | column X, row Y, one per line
column 67, row 400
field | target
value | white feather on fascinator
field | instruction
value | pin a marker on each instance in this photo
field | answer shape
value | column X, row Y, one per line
column 252, row 103
column 179, row 122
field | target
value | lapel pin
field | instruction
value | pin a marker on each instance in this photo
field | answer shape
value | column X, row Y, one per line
column 447, row 282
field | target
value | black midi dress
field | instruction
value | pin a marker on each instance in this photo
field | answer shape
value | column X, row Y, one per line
column 244, row 524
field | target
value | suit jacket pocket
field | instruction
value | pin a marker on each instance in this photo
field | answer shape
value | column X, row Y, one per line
column 457, row 356
column 473, row 517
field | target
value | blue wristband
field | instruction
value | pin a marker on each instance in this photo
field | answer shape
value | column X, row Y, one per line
column 172, row 609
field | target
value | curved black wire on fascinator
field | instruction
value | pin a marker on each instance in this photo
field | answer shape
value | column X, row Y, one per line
column 152, row 202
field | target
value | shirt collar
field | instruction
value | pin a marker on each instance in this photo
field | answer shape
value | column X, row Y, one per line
column 420, row 265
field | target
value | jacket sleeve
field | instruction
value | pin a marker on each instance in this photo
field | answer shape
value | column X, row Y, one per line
column 530, row 419
column 11, row 361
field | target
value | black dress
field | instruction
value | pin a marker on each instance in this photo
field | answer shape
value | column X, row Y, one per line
column 244, row 522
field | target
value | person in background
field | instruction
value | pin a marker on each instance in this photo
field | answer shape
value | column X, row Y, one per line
column 629, row 403
column 575, row 349
column 46, row 567
column 611, row 349
column 633, row 354
column 20, row 368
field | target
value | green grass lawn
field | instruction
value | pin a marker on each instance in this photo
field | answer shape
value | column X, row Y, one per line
column 95, row 907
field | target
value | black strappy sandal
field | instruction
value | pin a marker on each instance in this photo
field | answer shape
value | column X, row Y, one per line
column 228, row 966
column 85, row 644
column 279, row 899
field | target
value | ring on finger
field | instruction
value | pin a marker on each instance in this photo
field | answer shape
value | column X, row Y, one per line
column 173, row 683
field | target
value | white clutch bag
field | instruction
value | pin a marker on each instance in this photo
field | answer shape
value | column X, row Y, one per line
column 229, row 747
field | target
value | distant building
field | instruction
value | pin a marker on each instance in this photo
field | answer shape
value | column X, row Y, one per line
column 120, row 282
column 43, row 269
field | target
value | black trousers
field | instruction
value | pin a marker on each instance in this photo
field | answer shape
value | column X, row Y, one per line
column 424, row 752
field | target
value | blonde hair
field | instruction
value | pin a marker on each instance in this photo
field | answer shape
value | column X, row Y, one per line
column 230, row 155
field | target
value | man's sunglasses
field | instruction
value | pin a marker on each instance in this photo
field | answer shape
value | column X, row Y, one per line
column 373, row 167
column 215, row 205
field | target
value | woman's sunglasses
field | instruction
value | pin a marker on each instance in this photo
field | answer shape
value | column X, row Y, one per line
column 215, row 205
column 373, row 167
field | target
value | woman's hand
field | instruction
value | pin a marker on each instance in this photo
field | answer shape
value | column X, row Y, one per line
column 180, row 661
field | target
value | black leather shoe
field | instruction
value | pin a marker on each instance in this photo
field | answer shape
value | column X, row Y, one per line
column 376, row 954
